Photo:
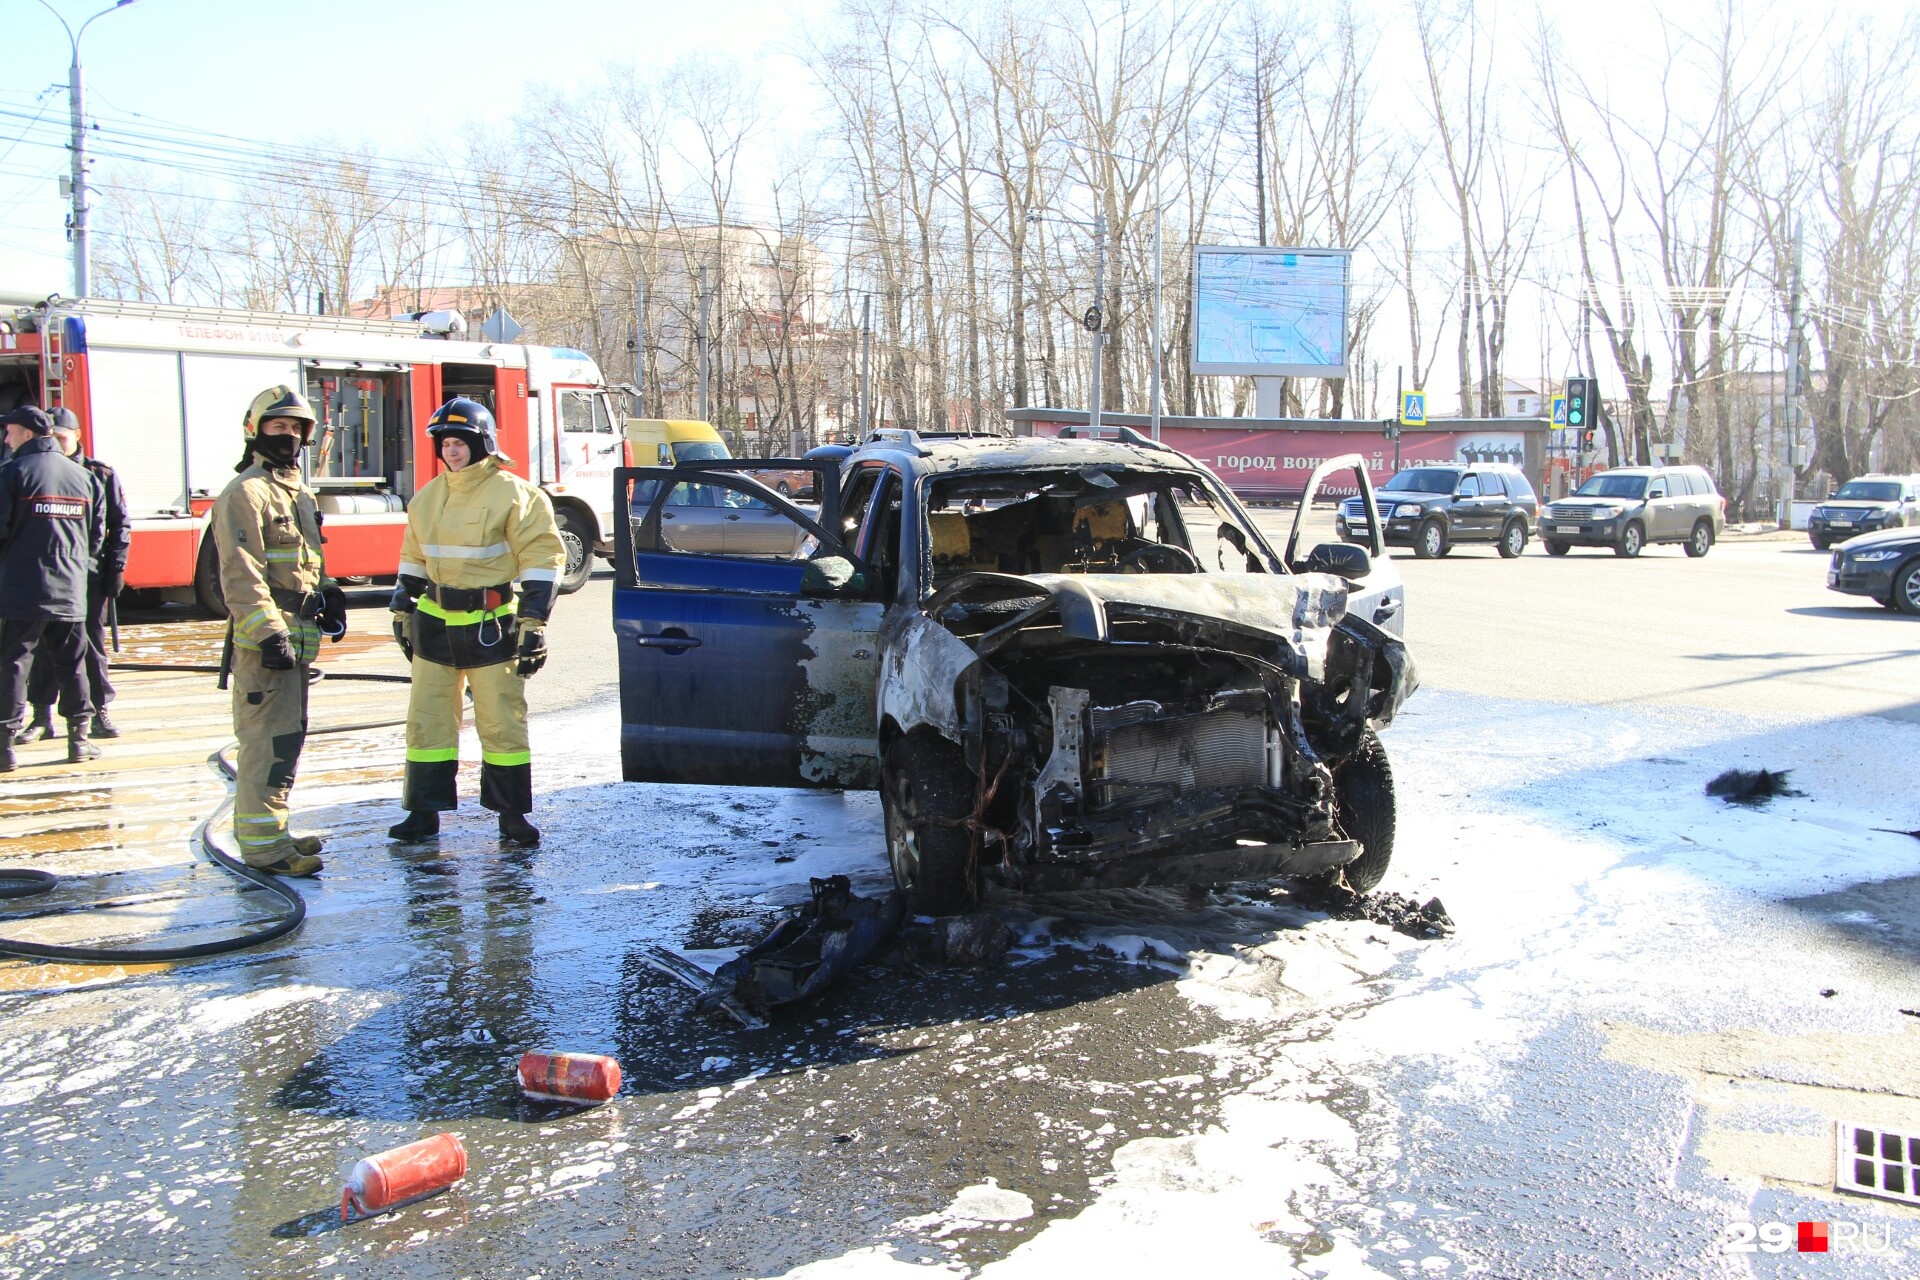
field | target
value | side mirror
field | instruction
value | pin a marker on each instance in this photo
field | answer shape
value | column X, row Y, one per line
column 1341, row 559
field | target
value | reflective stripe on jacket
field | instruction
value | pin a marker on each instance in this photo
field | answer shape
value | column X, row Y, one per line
column 481, row 526
column 267, row 528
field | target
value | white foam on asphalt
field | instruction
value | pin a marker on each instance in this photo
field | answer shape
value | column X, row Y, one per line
column 1588, row 874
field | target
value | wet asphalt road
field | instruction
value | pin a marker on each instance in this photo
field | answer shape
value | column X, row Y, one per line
column 194, row 1120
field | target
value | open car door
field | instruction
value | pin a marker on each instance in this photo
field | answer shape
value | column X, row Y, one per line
column 746, row 632
column 1375, row 590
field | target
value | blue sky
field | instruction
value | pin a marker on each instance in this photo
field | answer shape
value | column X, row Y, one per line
column 358, row 72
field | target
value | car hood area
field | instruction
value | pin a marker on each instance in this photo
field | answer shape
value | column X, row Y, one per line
column 1896, row 537
column 1258, row 602
column 1296, row 624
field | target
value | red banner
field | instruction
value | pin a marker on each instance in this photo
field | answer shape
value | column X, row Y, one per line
column 1275, row 462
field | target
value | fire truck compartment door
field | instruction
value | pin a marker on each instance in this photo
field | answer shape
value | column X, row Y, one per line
column 134, row 402
column 217, row 390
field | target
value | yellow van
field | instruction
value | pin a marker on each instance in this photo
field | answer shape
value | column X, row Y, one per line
column 661, row 442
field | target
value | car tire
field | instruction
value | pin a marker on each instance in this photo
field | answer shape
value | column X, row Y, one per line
column 1906, row 589
column 1555, row 548
column 1513, row 540
column 207, row 591
column 1632, row 539
column 1429, row 541
column 1363, row 793
column 577, row 538
column 1700, row 541
column 784, row 489
column 1819, row 544
column 926, row 795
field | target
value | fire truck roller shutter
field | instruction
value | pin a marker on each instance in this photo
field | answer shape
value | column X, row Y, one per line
column 218, row 390
column 137, row 425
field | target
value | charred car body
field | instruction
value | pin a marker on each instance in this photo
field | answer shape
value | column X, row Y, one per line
column 1064, row 663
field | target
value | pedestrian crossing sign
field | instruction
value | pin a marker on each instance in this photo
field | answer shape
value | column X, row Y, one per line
column 1559, row 411
column 1413, row 408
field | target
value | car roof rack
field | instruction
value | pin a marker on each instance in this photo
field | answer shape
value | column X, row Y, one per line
column 1127, row 435
column 906, row 437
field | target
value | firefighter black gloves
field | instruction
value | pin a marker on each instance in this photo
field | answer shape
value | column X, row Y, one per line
column 536, row 600
column 400, row 635
column 333, row 613
column 111, row 581
column 407, row 591
column 276, row 652
column 533, row 646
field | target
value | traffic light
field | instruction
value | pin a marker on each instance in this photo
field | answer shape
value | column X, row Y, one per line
column 1581, row 397
column 1586, row 440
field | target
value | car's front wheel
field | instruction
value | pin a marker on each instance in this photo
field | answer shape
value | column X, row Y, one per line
column 926, row 796
column 1430, row 542
column 1513, row 539
column 1632, row 538
column 1906, row 589
column 1700, row 541
column 1554, row 548
column 1819, row 543
column 1363, row 794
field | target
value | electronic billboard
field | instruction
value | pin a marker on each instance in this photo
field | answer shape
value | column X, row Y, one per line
column 1270, row 312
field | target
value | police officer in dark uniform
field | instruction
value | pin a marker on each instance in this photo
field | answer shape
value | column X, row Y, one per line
column 104, row 584
column 51, row 531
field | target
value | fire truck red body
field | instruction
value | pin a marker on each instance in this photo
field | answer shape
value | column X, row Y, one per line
column 161, row 390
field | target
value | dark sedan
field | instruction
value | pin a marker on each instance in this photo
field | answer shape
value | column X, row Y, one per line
column 1884, row 565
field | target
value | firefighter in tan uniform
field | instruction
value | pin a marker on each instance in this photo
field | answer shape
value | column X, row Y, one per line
column 267, row 529
column 477, row 573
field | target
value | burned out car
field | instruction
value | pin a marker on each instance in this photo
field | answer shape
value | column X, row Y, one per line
column 1063, row 662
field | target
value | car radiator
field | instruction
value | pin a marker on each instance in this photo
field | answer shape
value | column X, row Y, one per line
column 1140, row 753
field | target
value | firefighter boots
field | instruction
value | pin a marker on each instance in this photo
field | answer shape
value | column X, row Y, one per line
column 41, row 730
column 103, row 727
column 288, row 861
column 419, row 825
column 515, row 829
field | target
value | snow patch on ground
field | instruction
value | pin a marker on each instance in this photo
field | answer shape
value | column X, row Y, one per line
column 224, row 1013
column 1589, row 876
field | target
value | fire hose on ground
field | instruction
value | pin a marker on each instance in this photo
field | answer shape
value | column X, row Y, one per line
column 21, row 882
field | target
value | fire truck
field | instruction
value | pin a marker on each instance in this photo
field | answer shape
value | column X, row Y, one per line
column 160, row 392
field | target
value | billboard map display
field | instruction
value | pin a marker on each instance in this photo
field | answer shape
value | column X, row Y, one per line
column 1270, row 312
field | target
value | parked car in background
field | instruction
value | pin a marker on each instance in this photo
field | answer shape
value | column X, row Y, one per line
column 1432, row 508
column 712, row 518
column 788, row 483
column 1865, row 504
column 1883, row 565
column 1629, row 507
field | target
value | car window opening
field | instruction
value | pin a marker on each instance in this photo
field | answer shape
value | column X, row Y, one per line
column 1609, row 486
column 1421, row 480
column 1083, row 522
column 1868, row 491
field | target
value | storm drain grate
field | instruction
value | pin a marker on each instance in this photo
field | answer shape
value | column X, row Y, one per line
column 1877, row 1162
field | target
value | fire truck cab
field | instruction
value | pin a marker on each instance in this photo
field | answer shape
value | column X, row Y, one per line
column 160, row 392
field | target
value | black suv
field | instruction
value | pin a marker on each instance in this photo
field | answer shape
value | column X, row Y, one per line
column 1431, row 508
column 1865, row 505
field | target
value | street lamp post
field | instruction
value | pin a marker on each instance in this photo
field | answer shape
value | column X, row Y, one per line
column 77, row 230
column 1155, row 376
